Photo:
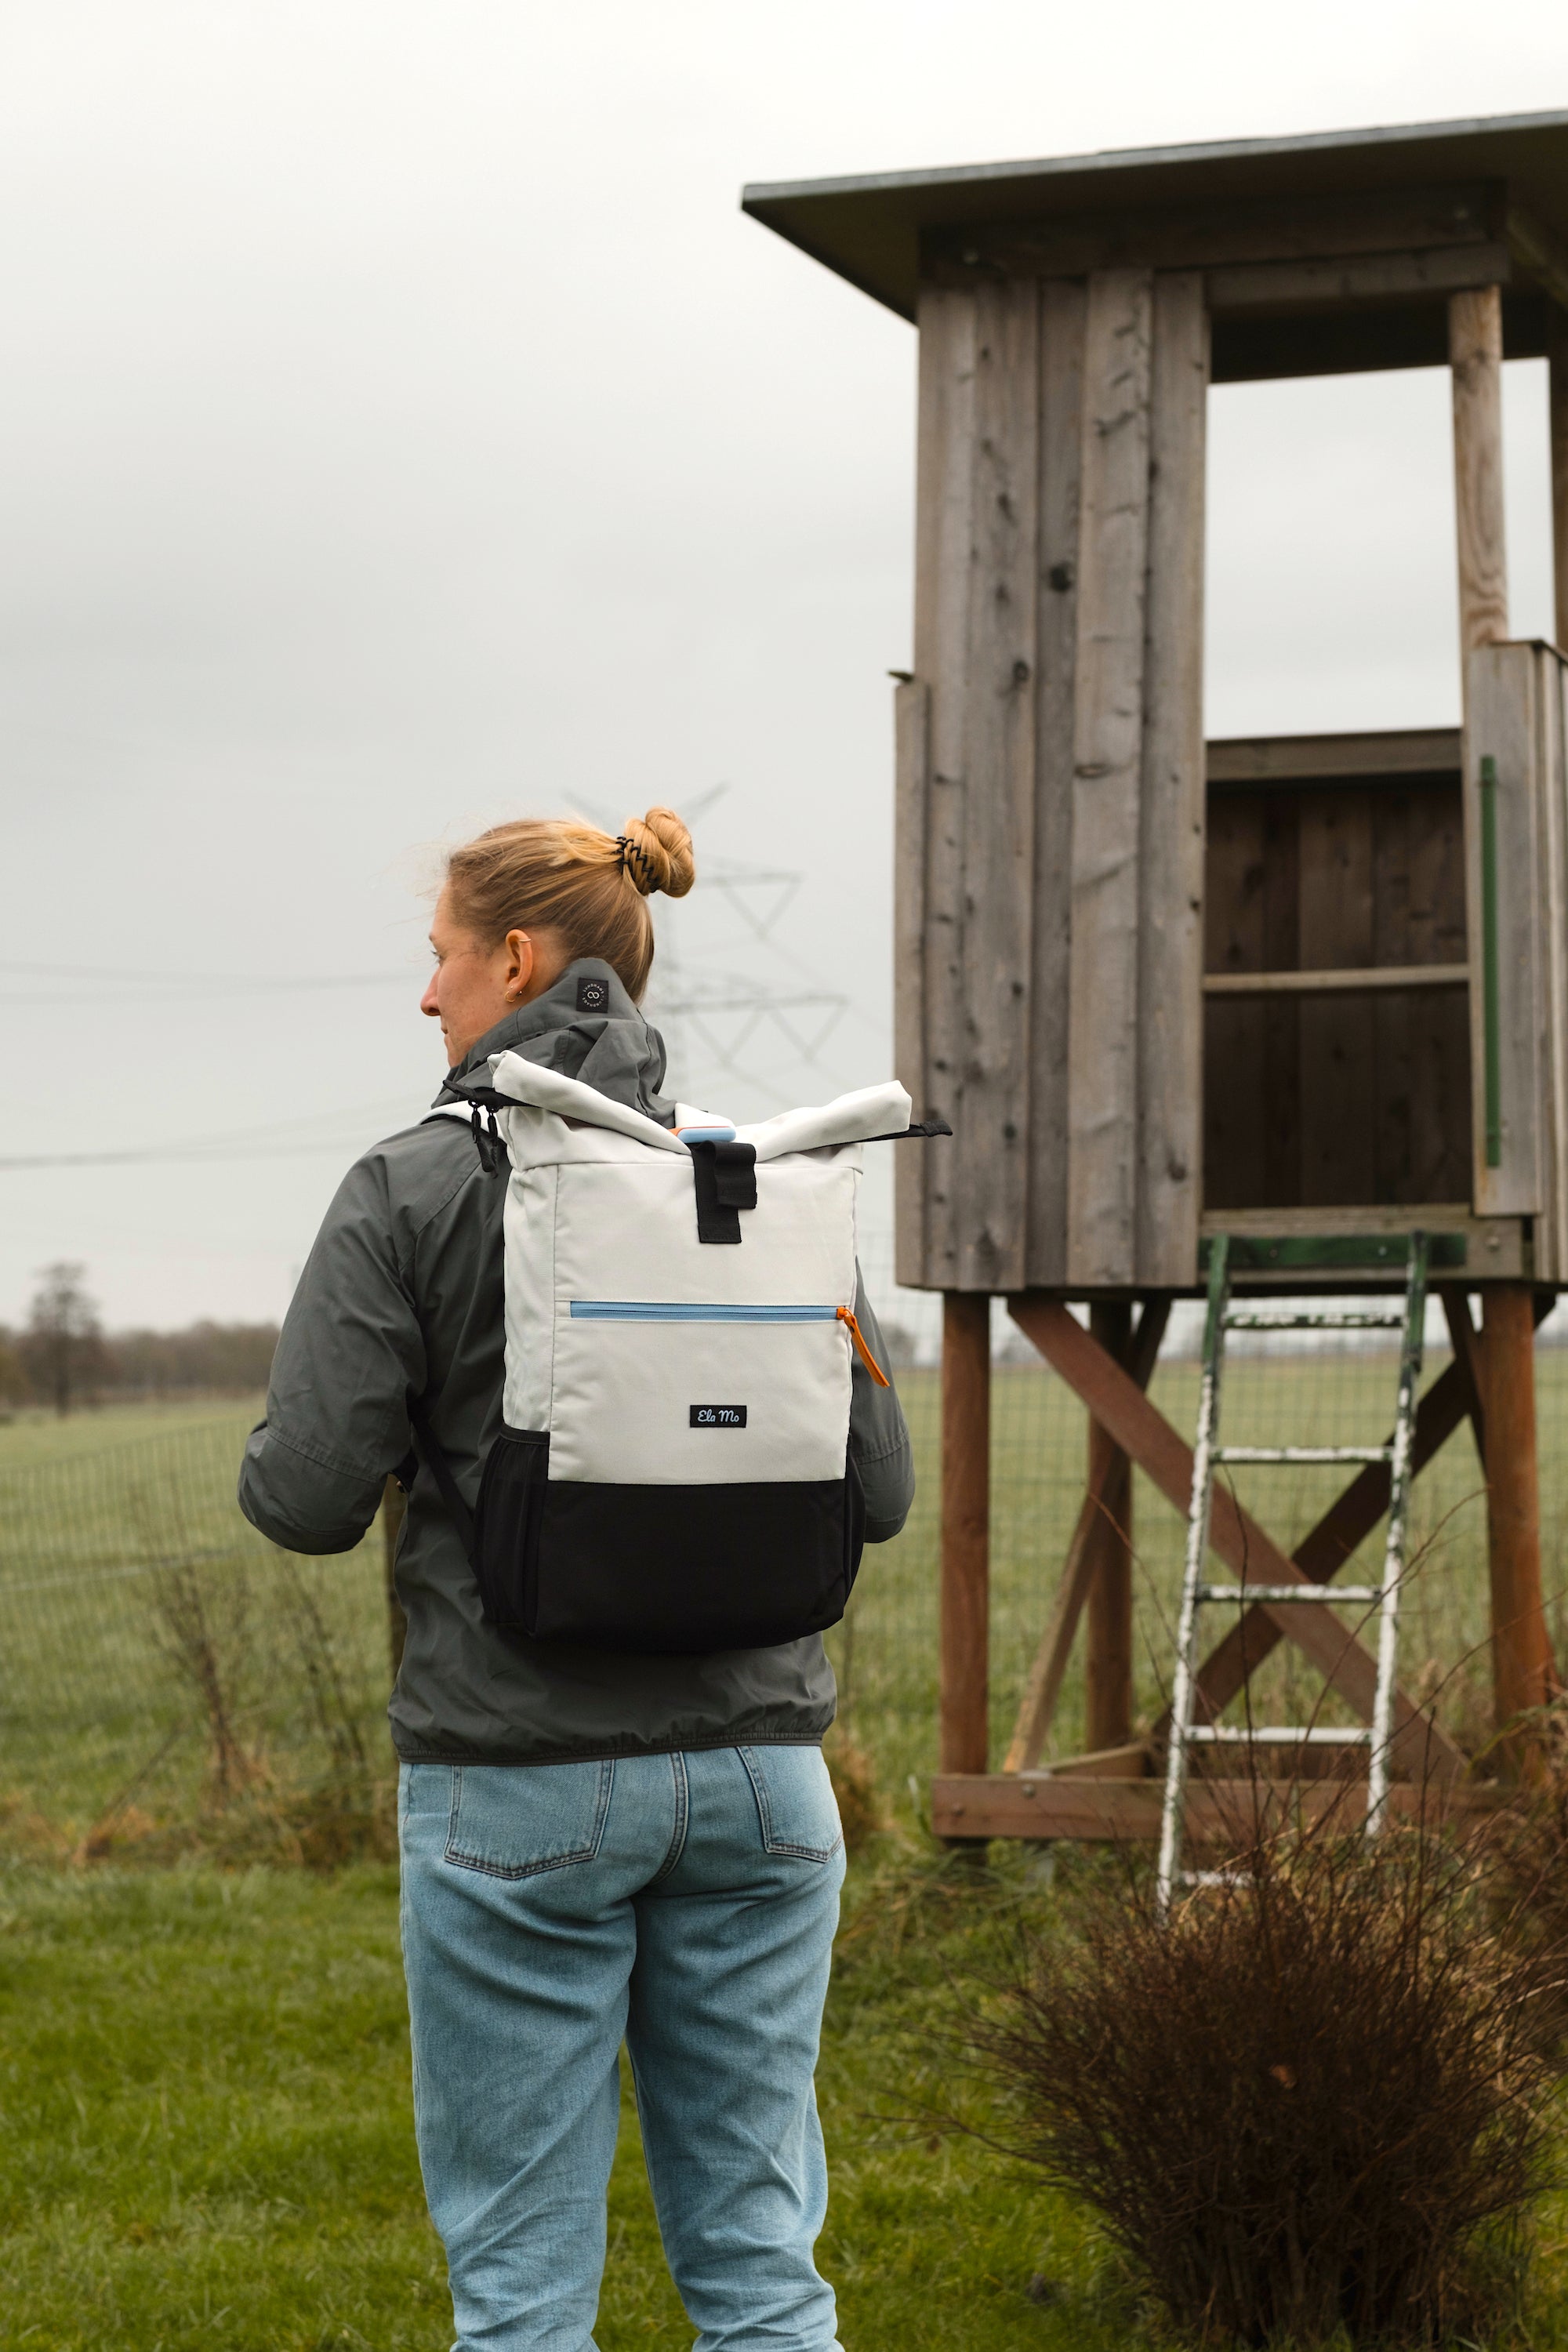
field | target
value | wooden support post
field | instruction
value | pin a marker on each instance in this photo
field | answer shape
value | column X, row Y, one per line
column 1557, row 353
column 965, row 1528
column 1109, row 1721
column 1475, row 355
column 1522, row 1674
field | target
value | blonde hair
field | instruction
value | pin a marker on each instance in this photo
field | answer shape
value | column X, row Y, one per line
column 591, row 888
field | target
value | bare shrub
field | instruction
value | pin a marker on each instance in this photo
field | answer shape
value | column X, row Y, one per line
column 854, row 1776
column 203, row 1624
column 277, row 1822
column 1527, row 1851
column 1314, row 2101
column 265, row 1809
column 318, row 1657
column 292, row 1824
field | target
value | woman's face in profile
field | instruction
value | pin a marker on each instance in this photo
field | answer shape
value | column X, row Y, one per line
column 473, row 987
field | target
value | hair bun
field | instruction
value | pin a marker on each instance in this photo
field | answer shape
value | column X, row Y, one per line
column 657, row 851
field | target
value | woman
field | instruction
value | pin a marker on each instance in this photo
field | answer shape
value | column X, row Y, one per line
column 595, row 1846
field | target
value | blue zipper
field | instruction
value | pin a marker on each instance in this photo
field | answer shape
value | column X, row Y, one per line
column 649, row 1310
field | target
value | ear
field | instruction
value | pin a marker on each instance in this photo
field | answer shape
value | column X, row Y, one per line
column 520, row 962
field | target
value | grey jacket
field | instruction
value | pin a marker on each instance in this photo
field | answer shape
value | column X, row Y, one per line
column 401, row 1298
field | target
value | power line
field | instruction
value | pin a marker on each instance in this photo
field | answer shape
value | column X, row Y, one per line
column 211, row 983
column 722, row 1010
column 190, row 1155
column 279, row 1139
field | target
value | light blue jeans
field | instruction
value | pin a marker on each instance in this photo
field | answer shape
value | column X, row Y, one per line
column 687, row 1904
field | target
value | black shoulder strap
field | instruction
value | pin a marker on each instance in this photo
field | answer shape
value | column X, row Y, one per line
column 430, row 1445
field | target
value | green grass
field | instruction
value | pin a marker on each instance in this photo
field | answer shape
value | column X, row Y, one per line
column 33, row 1435
column 97, row 1717
column 205, row 2137
column 102, row 1515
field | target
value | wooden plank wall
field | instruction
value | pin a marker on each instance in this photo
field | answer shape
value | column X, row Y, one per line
column 1501, row 721
column 1340, row 1100
column 1063, row 306
column 1557, row 411
column 1517, row 712
column 991, row 1163
column 944, row 543
column 1551, row 831
column 1051, row 872
column 1475, row 356
column 1252, row 1056
column 1171, row 865
column 1107, row 779
column 911, row 790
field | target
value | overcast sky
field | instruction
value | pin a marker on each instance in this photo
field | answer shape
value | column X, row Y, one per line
column 403, row 430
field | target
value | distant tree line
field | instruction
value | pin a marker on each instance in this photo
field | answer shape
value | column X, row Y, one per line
column 64, row 1359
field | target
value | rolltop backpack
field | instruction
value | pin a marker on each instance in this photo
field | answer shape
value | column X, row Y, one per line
column 674, row 1471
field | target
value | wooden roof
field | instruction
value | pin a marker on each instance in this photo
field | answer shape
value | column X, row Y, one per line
column 871, row 230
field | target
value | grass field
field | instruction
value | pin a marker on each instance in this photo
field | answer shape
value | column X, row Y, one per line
column 204, row 2086
column 204, row 2132
column 113, row 1525
column 207, row 2138
column 126, row 1573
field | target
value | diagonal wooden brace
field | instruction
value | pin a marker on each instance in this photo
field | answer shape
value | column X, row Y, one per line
column 1142, row 1432
column 1043, row 1687
column 1466, row 1345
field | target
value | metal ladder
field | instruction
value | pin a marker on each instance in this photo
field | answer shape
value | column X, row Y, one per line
column 1198, row 1593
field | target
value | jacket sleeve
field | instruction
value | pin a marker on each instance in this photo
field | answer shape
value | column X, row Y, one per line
column 879, row 1434
column 349, row 1354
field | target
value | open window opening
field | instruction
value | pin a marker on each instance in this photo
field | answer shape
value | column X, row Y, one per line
column 1338, row 957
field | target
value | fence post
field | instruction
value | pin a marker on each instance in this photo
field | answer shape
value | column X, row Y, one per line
column 1523, row 1675
column 965, row 1528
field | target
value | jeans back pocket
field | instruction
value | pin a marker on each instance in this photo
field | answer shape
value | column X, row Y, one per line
column 796, row 1805
column 513, row 1820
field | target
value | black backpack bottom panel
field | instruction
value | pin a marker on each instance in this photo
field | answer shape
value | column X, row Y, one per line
column 676, row 1569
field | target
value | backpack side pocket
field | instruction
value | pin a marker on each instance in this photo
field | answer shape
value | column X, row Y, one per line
column 854, row 1523
column 506, row 1529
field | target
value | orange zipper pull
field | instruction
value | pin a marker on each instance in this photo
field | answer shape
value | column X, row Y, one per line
column 846, row 1316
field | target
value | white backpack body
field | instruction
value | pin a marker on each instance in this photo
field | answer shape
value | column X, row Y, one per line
column 674, row 1472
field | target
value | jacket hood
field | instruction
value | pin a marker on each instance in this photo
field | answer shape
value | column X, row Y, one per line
column 585, row 1026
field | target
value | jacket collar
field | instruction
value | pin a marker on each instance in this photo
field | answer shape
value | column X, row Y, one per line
column 587, row 1027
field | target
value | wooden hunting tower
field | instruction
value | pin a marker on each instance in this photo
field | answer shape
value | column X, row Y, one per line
column 1308, row 992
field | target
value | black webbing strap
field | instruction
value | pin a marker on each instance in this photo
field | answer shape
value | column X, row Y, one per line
column 430, row 1447
column 725, row 1175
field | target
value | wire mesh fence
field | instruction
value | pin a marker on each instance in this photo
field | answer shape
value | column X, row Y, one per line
column 168, row 1677
column 163, row 1670
column 1337, row 1391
